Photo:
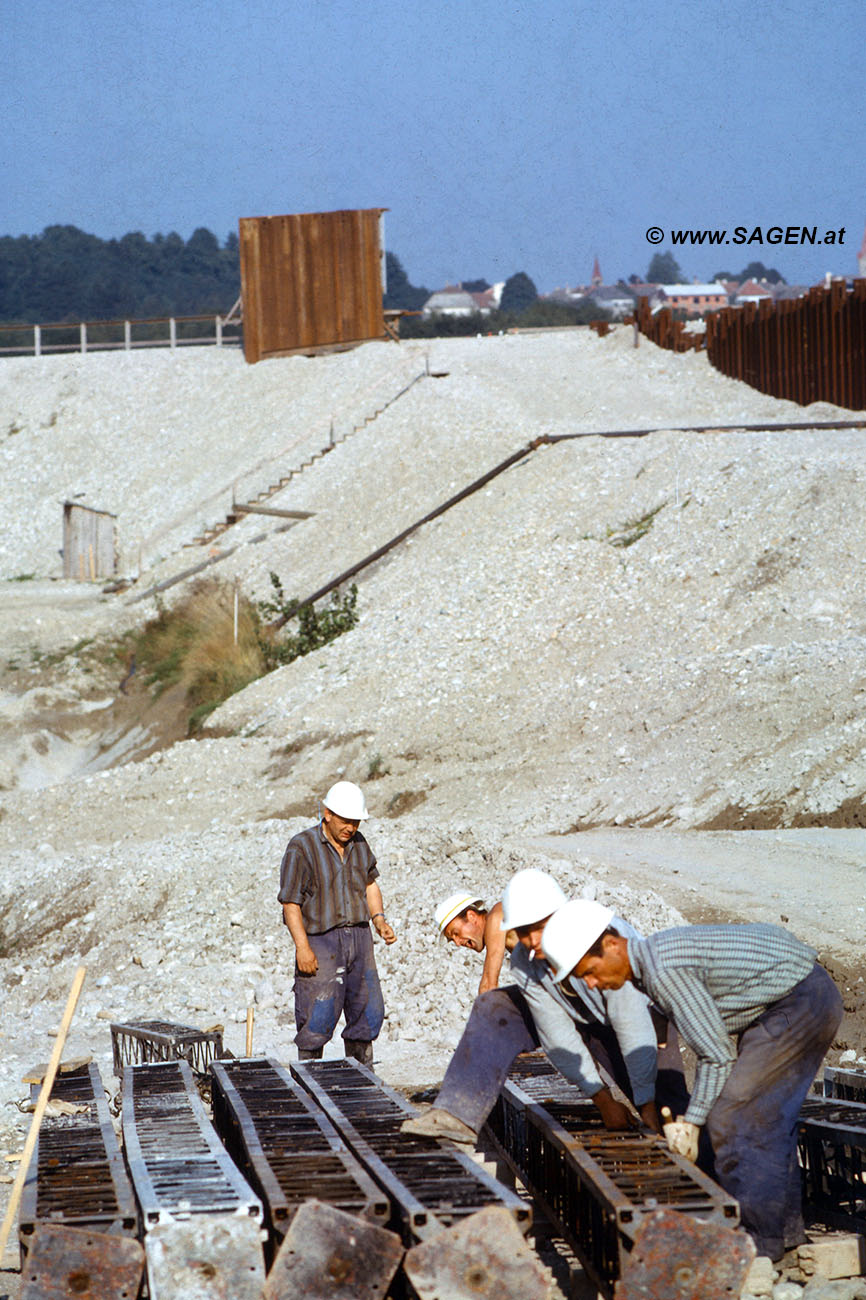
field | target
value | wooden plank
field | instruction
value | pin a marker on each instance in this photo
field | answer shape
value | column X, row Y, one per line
column 238, row 509
column 42, row 1102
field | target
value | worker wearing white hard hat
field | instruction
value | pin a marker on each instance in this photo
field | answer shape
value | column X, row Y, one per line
column 330, row 895
column 464, row 920
column 759, row 1013
column 455, row 905
column 593, row 1040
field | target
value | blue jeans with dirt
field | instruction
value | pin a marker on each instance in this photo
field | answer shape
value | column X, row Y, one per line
column 346, row 982
column 753, row 1124
column 500, row 1026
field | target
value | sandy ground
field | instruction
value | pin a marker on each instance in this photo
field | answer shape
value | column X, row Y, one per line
column 674, row 725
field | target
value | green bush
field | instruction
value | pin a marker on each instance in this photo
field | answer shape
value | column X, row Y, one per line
column 315, row 627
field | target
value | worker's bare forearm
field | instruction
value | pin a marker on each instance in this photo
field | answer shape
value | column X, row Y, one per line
column 491, row 971
column 304, row 954
column 494, row 949
column 377, row 913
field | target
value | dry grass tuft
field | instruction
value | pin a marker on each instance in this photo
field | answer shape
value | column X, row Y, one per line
column 193, row 644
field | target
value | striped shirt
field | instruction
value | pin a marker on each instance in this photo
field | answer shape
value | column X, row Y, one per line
column 714, row 981
column 329, row 890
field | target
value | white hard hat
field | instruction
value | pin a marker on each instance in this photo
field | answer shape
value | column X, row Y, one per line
column 346, row 800
column 530, row 896
column 453, row 905
column 571, row 931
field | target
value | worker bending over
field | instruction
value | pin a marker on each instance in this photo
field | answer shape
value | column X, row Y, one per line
column 579, row 1030
column 759, row 1013
column 464, row 921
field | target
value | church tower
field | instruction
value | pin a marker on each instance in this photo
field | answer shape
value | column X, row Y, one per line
column 596, row 280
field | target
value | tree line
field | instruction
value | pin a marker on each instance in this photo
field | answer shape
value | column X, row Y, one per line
column 67, row 275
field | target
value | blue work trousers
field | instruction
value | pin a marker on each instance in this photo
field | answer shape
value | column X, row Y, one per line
column 346, row 981
column 500, row 1026
column 753, row 1124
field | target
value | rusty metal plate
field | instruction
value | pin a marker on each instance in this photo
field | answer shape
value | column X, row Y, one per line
column 679, row 1258
column 483, row 1256
column 330, row 1255
column 205, row 1257
column 64, row 1261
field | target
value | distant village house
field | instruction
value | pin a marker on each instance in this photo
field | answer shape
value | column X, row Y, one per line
column 694, row 298
column 454, row 300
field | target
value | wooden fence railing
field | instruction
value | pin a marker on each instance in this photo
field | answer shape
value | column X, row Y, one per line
column 809, row 349
column 102, row 335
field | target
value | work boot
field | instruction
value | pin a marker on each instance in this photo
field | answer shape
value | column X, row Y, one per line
column 310, row 1053
column 359, row 1049
column 438, row 1123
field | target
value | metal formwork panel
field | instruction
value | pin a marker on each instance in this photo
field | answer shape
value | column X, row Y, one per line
column 844, row 1085
column 286, row 1146
column 430, row 1184
column 597, row 1186
column 330, row 1255
column 177, row 1163
column 311, row 280
column 65, row 1261
column 832, row 1149
column 161, row 1040
column 77, row 1176
column 484, row 1257
column 205, row 1257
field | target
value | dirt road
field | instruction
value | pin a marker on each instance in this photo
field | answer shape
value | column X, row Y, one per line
column 813, row 881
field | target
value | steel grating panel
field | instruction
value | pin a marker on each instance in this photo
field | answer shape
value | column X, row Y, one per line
column 832, row 1149
column 844, row 1085
column 161, row 1040
column 597, row 1186
column 177, row 1163
column 286, row 1146
column 77, row 1176
column 430, row 1185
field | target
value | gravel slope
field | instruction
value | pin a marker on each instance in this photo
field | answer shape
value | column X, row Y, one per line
column 515, row 672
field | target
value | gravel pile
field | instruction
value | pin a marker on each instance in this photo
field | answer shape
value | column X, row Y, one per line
column 154, row 438
column 517, row 669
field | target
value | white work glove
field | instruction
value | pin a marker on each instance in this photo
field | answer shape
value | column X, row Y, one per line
column 680, row 1135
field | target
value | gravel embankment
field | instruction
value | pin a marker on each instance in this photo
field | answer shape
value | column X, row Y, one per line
column 515, row 672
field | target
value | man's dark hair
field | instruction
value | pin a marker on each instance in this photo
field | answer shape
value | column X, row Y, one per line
column 597, row 949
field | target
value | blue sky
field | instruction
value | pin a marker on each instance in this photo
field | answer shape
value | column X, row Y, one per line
column 502, row 136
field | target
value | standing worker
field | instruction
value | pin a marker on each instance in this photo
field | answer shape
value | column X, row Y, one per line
column 759, row 1013
column 330, row 894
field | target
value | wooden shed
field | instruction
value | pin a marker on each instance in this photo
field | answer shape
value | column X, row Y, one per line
column 89, row 549
column 311, row 282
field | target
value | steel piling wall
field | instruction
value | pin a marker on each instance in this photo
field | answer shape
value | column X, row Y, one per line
column 661, row 328
column 810, row 349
